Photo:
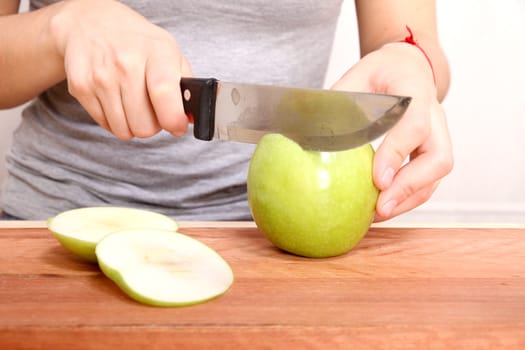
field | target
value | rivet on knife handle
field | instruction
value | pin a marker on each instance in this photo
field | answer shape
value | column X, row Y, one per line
column 198, row 97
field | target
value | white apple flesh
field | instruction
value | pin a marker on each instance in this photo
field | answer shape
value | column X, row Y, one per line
column 163, row 268
column 313, row 204
column 80, row 230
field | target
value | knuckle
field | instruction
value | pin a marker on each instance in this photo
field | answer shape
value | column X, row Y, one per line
column 101, row 78
column 445, row 163
column 125, row 63
column 407, row 190
column 78, row 88
column 160, row 89
column 396, row 154
column 423, row 195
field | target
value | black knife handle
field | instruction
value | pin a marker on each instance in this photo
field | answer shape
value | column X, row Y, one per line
column 198, row 98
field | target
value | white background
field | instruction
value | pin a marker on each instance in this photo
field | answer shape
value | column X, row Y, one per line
column 485, row 44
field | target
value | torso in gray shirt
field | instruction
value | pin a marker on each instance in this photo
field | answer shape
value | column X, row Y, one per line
column 60, row 159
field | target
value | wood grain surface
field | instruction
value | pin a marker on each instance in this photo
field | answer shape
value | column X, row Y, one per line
column 401, row 288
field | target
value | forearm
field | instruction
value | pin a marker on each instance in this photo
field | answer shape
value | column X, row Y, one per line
column 30, row 62
column 384, row 22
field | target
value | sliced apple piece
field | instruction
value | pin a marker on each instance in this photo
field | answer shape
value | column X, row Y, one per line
column 80, row 230
column 163, row 268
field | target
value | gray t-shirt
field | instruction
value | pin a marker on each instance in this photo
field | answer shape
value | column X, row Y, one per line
column 60, row 159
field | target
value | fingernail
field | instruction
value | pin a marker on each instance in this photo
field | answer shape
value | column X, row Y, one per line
column 386, row 179
column 388, row 208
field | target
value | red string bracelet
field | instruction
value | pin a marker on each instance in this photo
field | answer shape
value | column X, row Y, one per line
column 410, row 40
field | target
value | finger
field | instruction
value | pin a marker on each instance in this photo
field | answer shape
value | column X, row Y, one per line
column 109, row 95
column 410, row 132
column 163, row 84
column 426, row 169
column 410, row 203
column 140, row 116
column 93, row 78
column 82, row 89
column 430, row 163
column 93, row 107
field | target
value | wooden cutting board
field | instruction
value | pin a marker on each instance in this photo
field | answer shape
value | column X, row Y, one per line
column 401, row 288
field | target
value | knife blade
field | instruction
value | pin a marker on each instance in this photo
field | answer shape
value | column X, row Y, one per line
column 319, row 120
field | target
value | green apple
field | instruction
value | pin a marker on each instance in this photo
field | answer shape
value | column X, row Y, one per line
column 79, row 230
column 313, row 204
column 163, row 268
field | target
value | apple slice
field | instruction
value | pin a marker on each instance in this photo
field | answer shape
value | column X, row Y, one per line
column 79, row 230
column 163, row 268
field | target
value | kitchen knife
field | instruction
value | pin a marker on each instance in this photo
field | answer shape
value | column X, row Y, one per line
column 319, row 120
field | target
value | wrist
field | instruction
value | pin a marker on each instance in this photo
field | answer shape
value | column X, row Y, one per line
column 411, row 64
column 412, row 41
column 57, row 28
column 426, row 48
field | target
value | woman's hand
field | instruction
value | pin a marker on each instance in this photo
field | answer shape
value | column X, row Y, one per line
column 421, row 136
column 124, row 70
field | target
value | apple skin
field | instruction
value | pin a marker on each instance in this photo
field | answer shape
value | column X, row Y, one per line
column 312, row 204
column 84, row 249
